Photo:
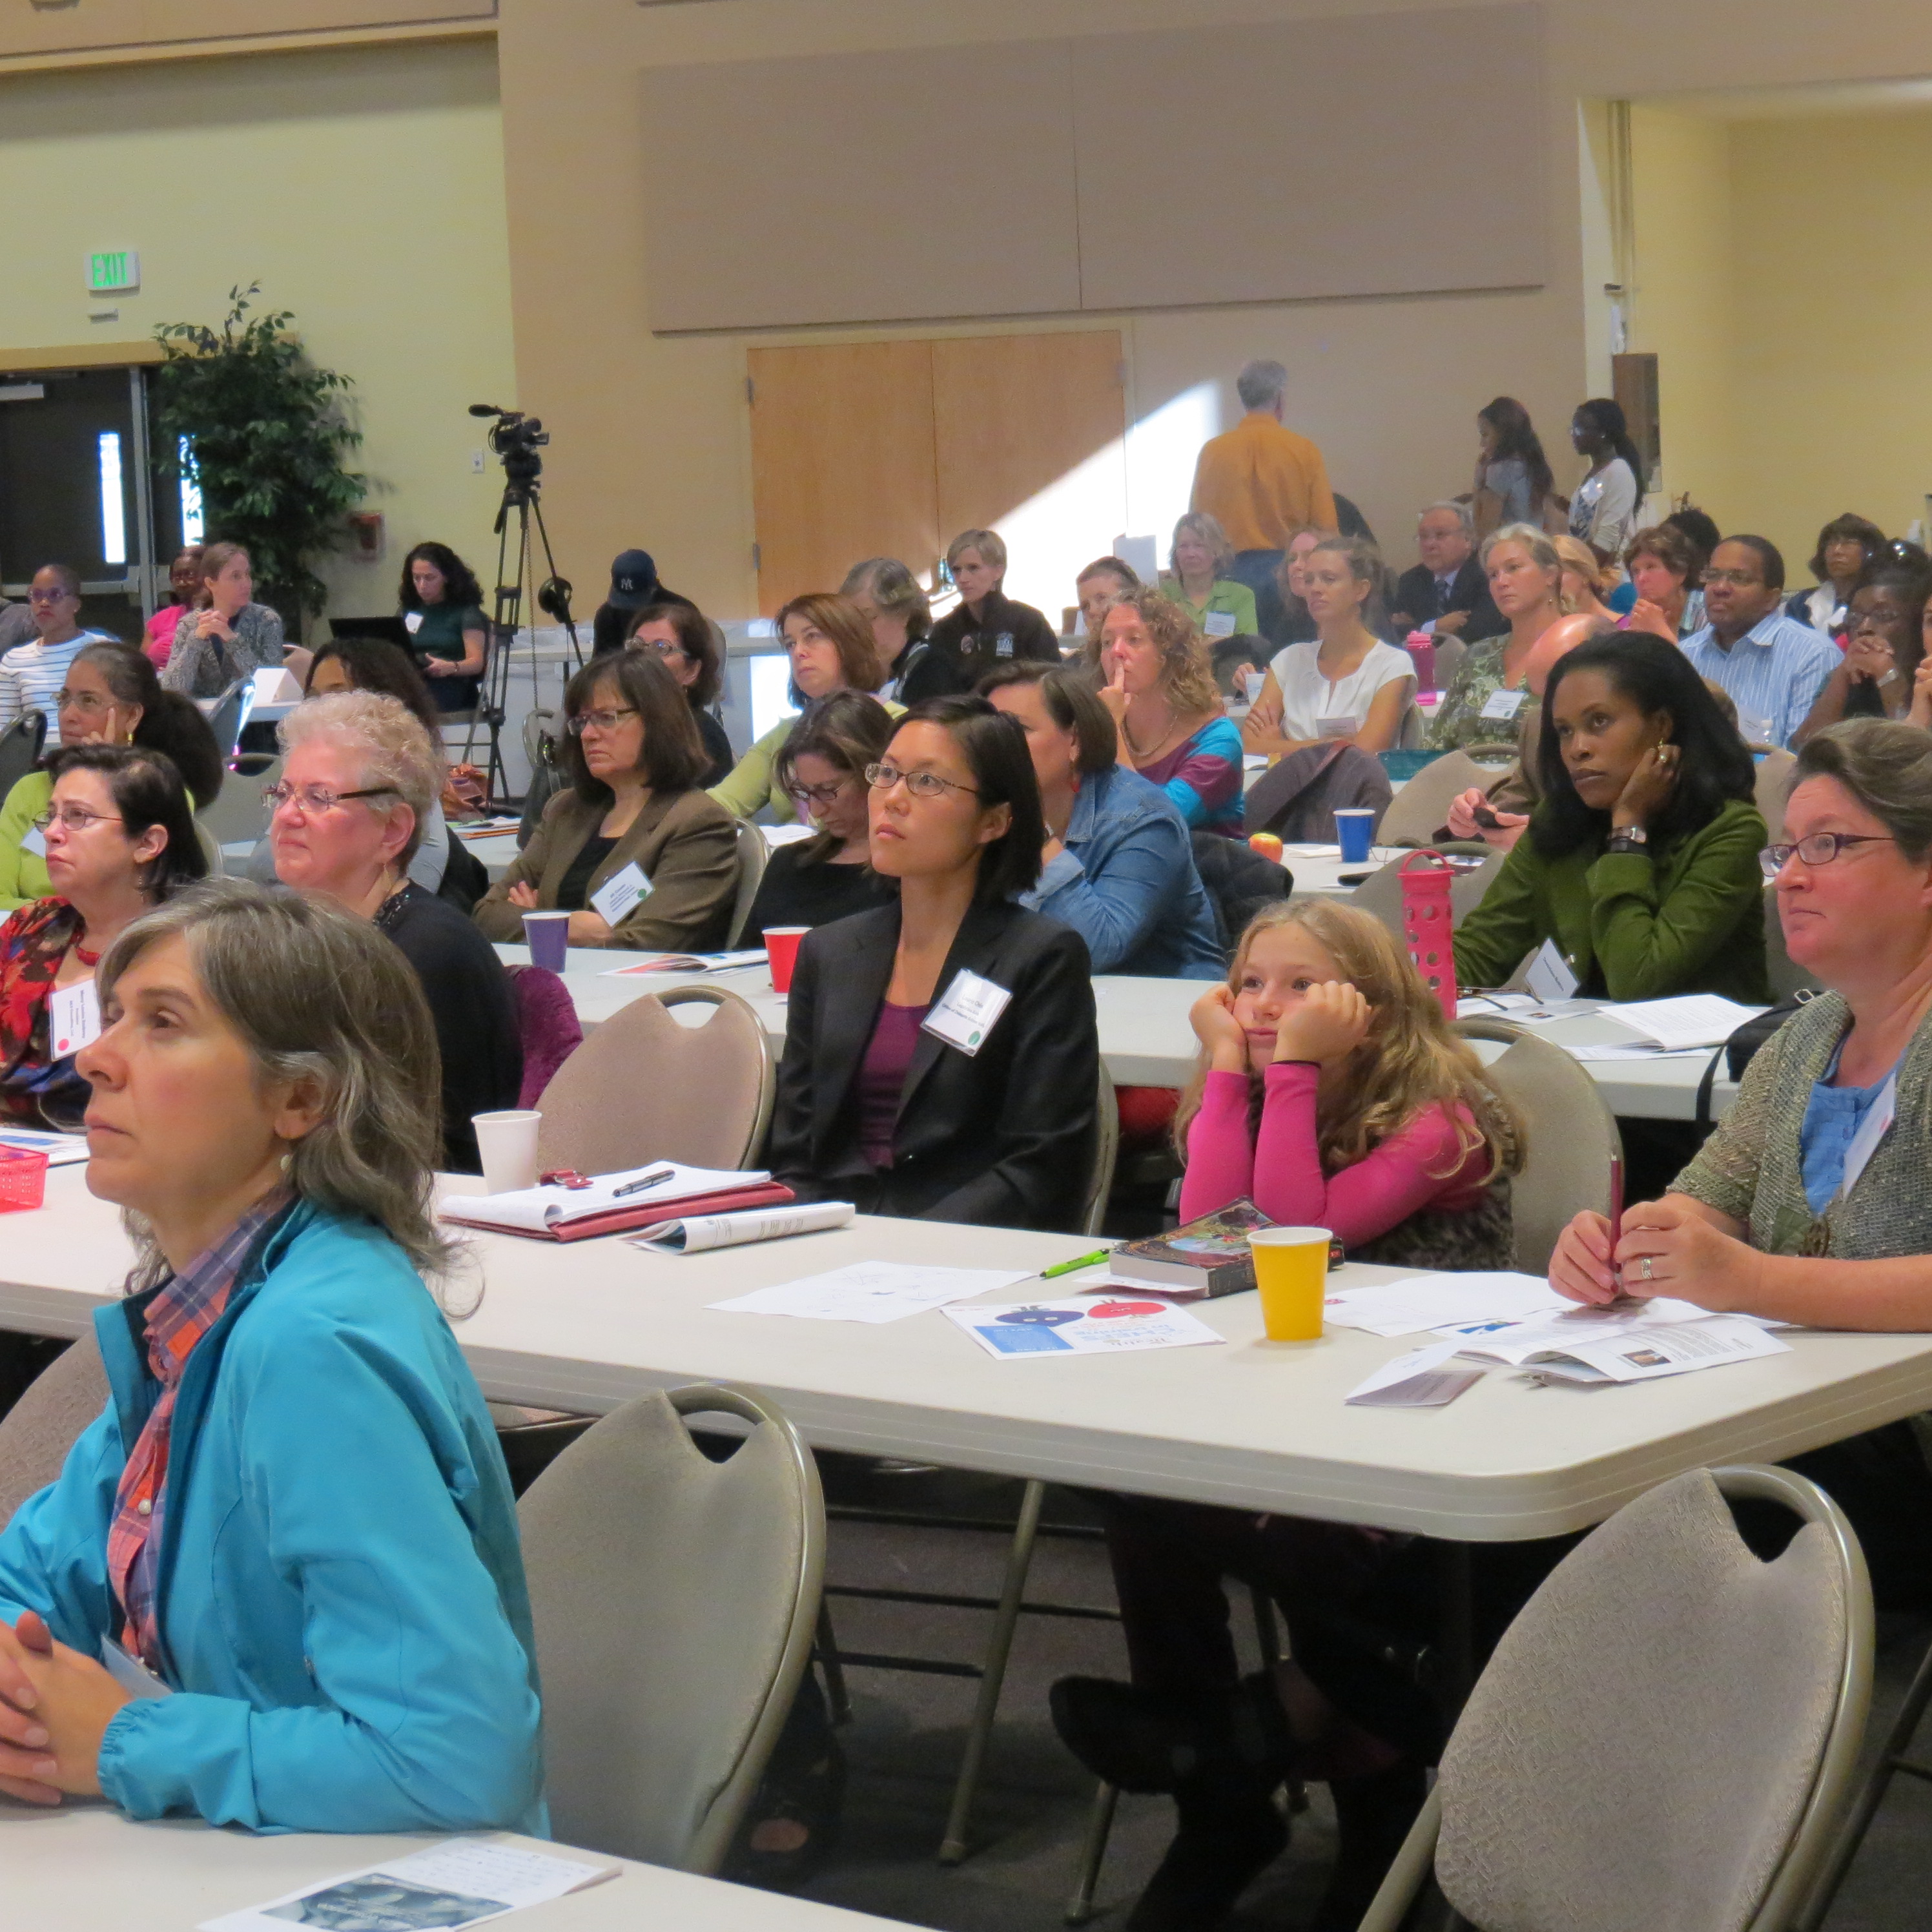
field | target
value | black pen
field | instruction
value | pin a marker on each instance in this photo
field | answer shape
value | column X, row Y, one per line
column 655, row 1178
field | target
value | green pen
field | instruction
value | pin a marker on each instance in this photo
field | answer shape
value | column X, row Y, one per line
column 1067, row 1267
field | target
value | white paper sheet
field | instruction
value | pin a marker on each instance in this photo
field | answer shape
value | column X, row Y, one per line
column 441, row 1889
column 697, row 1234
column 688, row 962
column 61, row 1150
column 1113, row 1325
column 1633, row 1351
column 1604, row 1050
column 1692, row 1019
column 1418, row 1361
column 536, row 1208
column 1421, row 1303
column 872, row 1291
column 775, row 835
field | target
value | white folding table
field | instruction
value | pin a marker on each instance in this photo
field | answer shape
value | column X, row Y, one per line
column 86, row 1868
column 1258, row 1425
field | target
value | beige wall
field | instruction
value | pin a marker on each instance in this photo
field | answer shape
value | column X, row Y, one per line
column 364, row 189
column 652, row 439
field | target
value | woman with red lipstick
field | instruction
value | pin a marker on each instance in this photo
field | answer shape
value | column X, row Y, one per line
column 120, row 838
column 1642, row 862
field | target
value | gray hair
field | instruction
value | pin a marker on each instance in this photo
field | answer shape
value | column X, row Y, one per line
column 1261, row 383
column 316, row 993
column 1207, row 529
column 1464, row 515
column 1886, row 765
column 1543, row 552
column 894, row 589
column 395, row 750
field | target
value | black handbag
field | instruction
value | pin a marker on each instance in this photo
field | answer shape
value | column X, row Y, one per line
column 1736, row 1053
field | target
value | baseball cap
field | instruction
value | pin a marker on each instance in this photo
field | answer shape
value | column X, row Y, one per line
column 634, row 581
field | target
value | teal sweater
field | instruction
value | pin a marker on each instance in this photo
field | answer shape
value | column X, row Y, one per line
column 340, row 1590
column 1632, row 927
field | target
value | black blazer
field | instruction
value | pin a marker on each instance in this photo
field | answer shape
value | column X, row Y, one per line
column 1004, row 1137
column 1415, row 593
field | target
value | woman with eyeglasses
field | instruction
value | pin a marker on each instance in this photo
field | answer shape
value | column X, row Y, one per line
column 30, row 673
column 681, row 635
column 823, row 765
column 831, row 648
column 940, row 1059
column 119, row 838
column 110, row 696
column 1808, row 1204
column 157, row 637
column 630, row 848
column 224, row 634
column 1885, row 645
column 359, row 775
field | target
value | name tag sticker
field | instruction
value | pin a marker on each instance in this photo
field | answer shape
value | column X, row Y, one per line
column 35, row 842
column 1219, row 624
column 1003, row 645
column 1504, row 703
column 1337, row 727
column 618, row 893
column 73, row 1018
column 967, row 1012
column 412, row 622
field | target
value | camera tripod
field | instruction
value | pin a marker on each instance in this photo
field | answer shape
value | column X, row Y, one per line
column 520, row 513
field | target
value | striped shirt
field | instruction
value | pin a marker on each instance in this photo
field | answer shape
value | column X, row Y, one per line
column 32, row 675
column 1774, row 673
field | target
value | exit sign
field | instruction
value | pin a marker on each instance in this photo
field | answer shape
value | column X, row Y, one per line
column 117, row 272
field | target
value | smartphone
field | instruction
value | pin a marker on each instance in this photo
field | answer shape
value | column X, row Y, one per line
column 1487, row 819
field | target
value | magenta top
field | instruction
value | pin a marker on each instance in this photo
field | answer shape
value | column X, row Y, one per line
column 161, row 626
column 1281, row 1172
column 882, row 1076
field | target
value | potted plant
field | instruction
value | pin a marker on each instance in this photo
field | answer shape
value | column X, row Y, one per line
column 266, row 438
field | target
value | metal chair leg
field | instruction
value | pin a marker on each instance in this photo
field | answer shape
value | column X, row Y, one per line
column 826, row 1644
column 1891, row 1761
column 1093, row 1850
column 979, row 1733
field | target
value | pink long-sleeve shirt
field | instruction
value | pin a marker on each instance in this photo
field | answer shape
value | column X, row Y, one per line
column 1280, row 1170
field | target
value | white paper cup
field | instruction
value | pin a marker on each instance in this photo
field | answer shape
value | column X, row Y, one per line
column 507, row 1142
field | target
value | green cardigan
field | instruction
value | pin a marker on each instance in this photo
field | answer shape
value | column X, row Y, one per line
column 1632, row 927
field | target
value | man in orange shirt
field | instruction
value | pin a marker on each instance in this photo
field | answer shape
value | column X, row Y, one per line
column 1262, row 481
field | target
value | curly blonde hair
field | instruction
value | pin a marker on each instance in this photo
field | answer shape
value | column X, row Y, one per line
column 1409, row 1061
column 1187, row 675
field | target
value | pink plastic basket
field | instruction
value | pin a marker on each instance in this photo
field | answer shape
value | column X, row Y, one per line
column 1426, row 919
column 23, row 1179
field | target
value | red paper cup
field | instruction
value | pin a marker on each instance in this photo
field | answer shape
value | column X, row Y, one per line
column 781, row 950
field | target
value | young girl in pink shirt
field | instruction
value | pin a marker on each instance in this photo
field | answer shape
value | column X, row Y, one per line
column 1332, row 1094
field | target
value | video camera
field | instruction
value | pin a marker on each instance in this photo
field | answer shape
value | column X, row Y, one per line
column 516, row 438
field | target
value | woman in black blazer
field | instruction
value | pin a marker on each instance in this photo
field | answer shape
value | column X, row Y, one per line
column 940, row 1056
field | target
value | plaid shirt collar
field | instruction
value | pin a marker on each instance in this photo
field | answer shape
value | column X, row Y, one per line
column 190, row 1304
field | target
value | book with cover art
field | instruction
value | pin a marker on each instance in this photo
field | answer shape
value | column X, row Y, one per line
column 1208, row 1257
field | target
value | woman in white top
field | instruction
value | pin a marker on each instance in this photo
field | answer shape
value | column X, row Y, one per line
column 1347, row 684
column 1603, row 510
column 31, row 673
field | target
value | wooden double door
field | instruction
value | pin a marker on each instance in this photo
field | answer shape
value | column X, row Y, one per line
column 891, row 449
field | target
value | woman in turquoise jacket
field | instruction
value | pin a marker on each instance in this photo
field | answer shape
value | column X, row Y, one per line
column 277, row 1583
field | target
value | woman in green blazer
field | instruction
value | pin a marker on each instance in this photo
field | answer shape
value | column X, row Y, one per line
column 1642, row 861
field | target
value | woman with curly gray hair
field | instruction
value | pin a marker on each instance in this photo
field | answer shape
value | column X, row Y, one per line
column 293, row 1511
column 359, row 778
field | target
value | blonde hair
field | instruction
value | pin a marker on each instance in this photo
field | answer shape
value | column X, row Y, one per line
column 1577, row 555
column 388, row 738
column 989, row 543
column 1187, row 676
column 1207, row 529
column 1409, row 1062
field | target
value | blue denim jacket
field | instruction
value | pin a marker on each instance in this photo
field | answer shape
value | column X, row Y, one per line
column 342, row 1615
column 1125, row 882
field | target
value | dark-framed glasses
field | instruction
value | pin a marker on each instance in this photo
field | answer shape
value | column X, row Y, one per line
column 1817, row 848
column 603, row 720
column 818, row 794
column 921, row 784
column 75, row 818
column 317, row 798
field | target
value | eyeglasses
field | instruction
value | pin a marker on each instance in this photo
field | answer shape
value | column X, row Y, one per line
column 1738, row 580
column 75, row 818
column 603, row 720
column 921, row 784
column 89, row 703
column 665, row 647
column 51, row 596
column 1820, row 848
column 821, row 794
column 316, row 799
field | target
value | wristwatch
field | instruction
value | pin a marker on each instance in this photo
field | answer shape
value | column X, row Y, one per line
column 1629, row 838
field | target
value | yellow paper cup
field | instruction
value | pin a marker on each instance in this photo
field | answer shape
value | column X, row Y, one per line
column 1291, row 1274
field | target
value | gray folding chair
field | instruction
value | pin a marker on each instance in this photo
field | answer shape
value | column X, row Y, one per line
column 1665, row 1735
column 753, row 855
column 1782, row 972
column 1423, row 803
column 228, row 714
column 37, row 1432
column 239, row 812
column 1380, row 891
column 1572, row 1151
column 674, row 1598
column 1773, row 787
column 20, row 748
column 644, row 1087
